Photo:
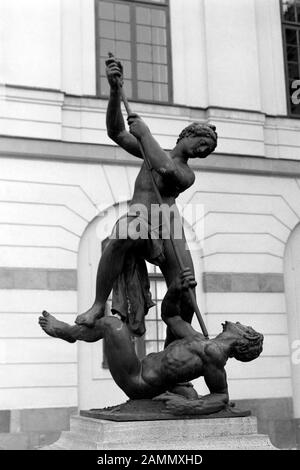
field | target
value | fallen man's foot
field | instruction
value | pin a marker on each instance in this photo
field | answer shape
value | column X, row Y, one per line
column 55, row 328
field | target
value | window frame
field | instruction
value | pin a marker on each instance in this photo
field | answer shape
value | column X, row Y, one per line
column 134, row 79
column 290, row 25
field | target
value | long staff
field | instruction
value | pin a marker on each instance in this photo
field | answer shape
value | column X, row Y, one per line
column 160, row 201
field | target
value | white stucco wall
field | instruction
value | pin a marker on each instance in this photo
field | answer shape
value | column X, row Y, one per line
column 32, row 43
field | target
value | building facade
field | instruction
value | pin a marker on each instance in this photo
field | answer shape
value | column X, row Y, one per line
column 231, row 63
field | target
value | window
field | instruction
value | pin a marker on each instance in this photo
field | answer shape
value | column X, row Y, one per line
column 137, row 33
column 291, row 40
column 155, row 328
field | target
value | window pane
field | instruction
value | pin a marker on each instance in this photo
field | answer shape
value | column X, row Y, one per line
column 292, row 54
column 144, row 71
column 123, row 50
column 159, row 36
column 298, row 13
column 293, row 70
column 288, row 10
column 159, row 302
column 152, row 286
column 143, row 34
column 143, row 15
column 144, row 53
column 106, row 46
column 122, row 13
column 161, row 330
column 151, row 330
column 106, row 10
column 123, row 31
column 151, row 315
column 161, row 290
column 106, row 29
column 160, row 54
column 102, row 67
column 151, row 346
column 128, row 87
column 150, row 269
column 291, row 36
column 127, row 69
column 158, row 17
column 104, row 86
column 160, row 73
column 145, row 90
column 295, row 109
column 160, row 92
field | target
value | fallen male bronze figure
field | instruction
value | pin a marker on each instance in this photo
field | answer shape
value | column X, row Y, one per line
column 187, row 358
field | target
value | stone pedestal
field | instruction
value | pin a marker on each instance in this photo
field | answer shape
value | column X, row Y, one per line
column 239, row 433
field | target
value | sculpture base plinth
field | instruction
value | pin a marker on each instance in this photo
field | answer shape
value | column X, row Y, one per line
column 184, row 434
column 152, row 410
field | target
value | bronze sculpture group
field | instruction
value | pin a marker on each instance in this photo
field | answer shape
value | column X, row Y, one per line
column 188, row 354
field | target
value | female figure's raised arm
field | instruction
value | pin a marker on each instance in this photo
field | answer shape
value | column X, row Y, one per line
column 114, row 119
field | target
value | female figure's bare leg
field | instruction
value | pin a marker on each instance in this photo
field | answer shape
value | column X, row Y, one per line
column 110, row 267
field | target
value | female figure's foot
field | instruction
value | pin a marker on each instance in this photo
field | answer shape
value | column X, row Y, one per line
column 56, row 328
column 89, row 318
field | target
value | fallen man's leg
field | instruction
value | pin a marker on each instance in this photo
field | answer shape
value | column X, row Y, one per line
column 70, row 333
column 124, row 365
